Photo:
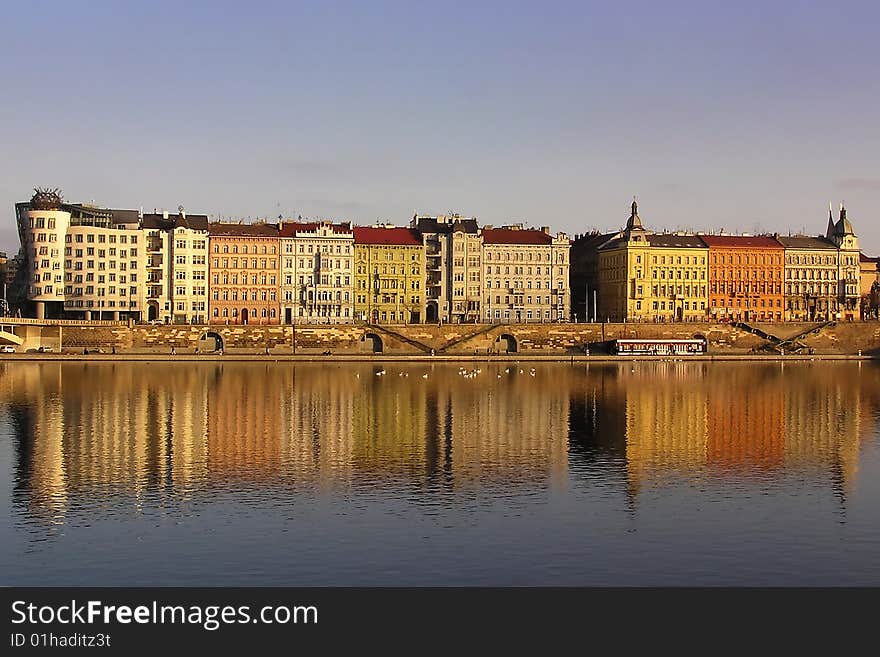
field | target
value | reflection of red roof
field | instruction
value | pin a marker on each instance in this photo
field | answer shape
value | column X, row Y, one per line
column 741, row 241
column 515, row 236
column 291, row 228
column 395, row 236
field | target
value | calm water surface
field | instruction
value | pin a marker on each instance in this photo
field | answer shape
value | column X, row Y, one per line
column 280, row 474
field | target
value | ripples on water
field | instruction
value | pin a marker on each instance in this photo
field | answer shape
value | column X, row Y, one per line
column 249, row 473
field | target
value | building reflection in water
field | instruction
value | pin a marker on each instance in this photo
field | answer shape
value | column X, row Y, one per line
column 95, row 435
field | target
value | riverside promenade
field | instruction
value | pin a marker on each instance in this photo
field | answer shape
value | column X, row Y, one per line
column 551, row 341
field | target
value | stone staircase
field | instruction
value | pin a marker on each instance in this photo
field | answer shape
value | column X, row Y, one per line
column 378, row 328
column 464, row 338
column 780, row 345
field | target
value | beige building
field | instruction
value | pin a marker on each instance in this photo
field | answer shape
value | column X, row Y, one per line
column 810, row 286
column 525, row 274
column 453, row 247
column 177, row 267
column 317, row 273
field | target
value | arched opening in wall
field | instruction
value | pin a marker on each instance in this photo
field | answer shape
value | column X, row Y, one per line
column 152, row 311
column 244, row 315
column 211, row 341
column 506, row 343
column 375, row 342
column 431, row 313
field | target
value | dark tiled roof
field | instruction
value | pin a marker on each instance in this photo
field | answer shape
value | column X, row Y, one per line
column 431, row 225
column 805, row 242
column 191, row 221
column 741, row 241
column 243, row 230
column 864, row 258
column 515, row 236
column 671, row 240
column 393, row 236
column 125, row 216
column 291, row 228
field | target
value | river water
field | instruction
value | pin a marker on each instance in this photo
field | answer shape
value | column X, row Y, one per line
column 649, row 473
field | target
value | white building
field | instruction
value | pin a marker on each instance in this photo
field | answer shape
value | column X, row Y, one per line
column 82, row 261
column 317, row 275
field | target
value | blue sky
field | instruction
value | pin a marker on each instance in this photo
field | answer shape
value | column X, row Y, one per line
column 748, row 116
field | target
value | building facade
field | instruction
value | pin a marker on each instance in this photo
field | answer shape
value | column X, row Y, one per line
column 389, row 278
column 651, row 277
column 844, row 238
column 453, row 246
column 745, row 278
column 526, row 275
column 176, row 267
column 676, row 267
column 317, row 273
column 81, row 261
column 811, row 266
column 244, row 273
column 584, row 274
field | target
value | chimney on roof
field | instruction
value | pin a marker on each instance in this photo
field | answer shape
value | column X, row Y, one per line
column 164, row 214
column 546, row 229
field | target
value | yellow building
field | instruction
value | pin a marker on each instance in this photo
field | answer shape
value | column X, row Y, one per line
column 389, row 275
column 652, row 277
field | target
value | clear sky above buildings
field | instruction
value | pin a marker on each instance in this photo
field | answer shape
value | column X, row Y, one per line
column 743, row 115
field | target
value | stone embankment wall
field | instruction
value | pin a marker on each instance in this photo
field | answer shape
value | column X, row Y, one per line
column 534, row 339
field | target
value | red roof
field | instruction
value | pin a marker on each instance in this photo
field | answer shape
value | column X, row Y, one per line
column 291, row 228
column 741, row 241
column 395, row 236
column 515, row 236
column 864, row 258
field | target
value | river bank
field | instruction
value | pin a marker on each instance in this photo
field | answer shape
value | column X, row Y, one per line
column 389, row 358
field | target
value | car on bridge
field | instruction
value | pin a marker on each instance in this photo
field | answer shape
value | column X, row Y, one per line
column 7, row 349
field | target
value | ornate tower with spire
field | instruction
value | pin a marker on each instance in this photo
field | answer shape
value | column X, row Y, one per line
column 634, row 222
column 847, row 243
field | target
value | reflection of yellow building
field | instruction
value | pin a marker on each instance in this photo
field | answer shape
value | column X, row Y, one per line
column 122, row 434
column 666, row 425
column 739, row 419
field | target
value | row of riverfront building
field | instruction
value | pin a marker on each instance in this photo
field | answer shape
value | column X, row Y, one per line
column 638, row 275
column 85, row 262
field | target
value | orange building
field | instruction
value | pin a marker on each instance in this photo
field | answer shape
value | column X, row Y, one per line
column 244, row 273
column 745, row 278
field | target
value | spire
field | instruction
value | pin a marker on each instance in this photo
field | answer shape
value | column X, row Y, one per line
column 830, row 230
column 634, row 221
column 842, row 211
